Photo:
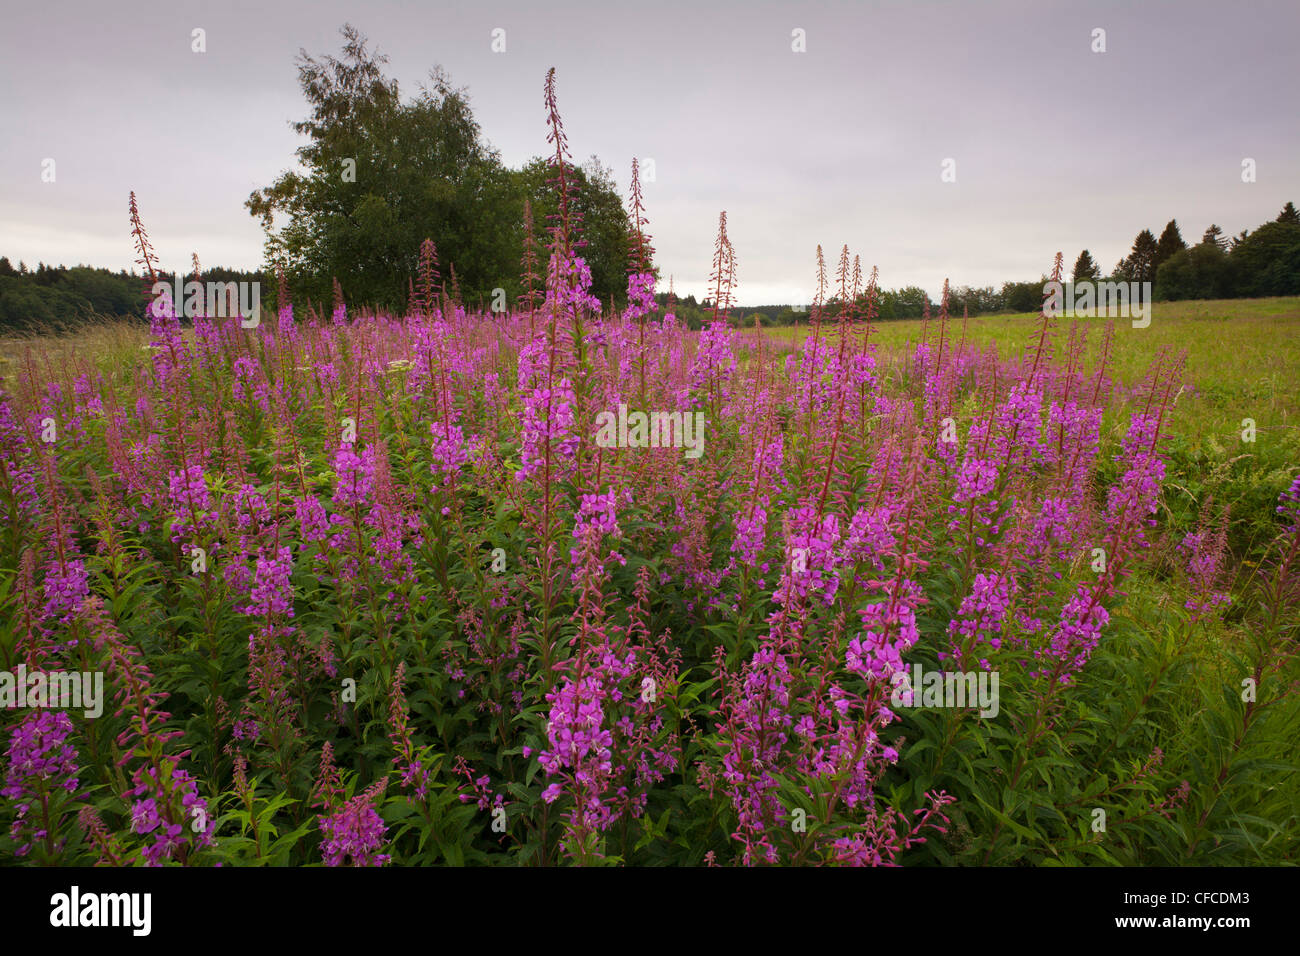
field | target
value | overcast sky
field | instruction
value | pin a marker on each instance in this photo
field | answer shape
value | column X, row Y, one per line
column 1056, row 147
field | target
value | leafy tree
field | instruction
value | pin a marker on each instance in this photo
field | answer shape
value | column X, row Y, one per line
column 1171, row 241
column 1268, row 261
column 911, row 302
column 1022, row 296
column 420, row 171
column 974, row 301
column 1289, row 214
column 1214, row 235
column 604, row 222
column 1203, row 271
column 1085, row 268
column 1142, row 257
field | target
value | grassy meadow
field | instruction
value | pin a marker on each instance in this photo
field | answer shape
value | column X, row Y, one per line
column 1243, row 358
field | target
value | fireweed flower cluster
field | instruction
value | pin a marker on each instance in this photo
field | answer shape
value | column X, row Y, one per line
column 1077, row 429
column 477, row 790
column 168, row 812
column 1203, row 551
column 414, row 774
column 354, row 477
column 713, row 368
column 640, row 295
column 888, row 631
column 568, row 285
column 813, row 547
column 759, row 724
column 191, row 503
column 974, row 511
column 1076, row 636
column 1017, row 440
column 607, row 738
column 250, row 384
column 20, row 501
column 1130, row 502
column 355, row 833
column 1289, row 506
column 40, row 761
column 272, row 592
column 66, row 588
column 596, row 518
column 751, row 522
column 579, row 742
column 449, row 454
column 548, row 420
column 982, row 614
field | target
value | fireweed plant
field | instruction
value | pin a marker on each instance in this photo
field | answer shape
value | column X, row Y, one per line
column 365, row 590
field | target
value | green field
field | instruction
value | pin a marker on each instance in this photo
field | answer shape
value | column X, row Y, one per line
column 1243, row 359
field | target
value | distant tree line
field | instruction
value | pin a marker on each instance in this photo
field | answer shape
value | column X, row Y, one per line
column 1260, row 263
column 59, row 296
column 1252, row 264
column 905, row 303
